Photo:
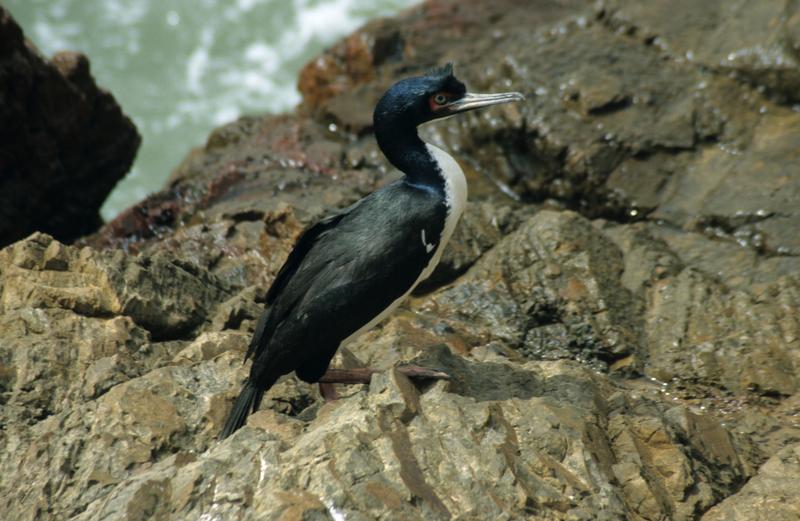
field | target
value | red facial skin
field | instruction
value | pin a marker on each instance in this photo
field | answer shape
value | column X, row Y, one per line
column 437, row 106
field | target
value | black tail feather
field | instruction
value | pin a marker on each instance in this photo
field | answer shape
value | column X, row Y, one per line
column 248, row 401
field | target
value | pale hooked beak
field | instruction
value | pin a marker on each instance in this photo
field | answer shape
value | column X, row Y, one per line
column 472, row 101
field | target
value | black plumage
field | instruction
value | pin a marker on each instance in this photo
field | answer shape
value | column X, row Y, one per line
column 361, row 261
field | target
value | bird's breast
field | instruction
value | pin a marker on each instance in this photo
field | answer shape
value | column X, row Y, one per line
column 455, row 191
column 455, row 200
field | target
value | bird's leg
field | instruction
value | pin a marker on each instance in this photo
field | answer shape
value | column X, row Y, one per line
column 363, row 375
column 328, row 391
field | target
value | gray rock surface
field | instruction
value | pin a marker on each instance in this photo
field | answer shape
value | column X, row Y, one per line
column 618, row 309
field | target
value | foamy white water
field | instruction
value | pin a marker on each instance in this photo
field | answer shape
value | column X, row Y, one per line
column 182, row 67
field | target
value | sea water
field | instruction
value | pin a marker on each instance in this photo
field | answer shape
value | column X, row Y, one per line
column 180, row 68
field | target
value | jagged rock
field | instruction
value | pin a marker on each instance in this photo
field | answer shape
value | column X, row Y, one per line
column 778, row 479
column 447, row 452
column 551, row 288
column 64, row 142
column 168, row 297
column 481, row 227
column 83, row 452
column 698, row 328
column 77, row 322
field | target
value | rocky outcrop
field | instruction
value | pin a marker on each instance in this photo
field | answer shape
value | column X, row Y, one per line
column 64, row 142
column 777, row 480
column 136, row 415
column 618, row 309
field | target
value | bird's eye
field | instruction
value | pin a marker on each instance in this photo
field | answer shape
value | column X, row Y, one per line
column 440, row 99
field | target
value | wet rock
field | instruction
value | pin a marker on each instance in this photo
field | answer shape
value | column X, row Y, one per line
column 745, row 198
column 64, row 141
column 616, row 124
column 756, row 40
column 698, row 328
column 237, row 205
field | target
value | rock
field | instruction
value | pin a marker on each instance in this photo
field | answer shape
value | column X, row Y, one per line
column 65, row 141
column 167, row 296
column 394, row 450
column 75, row 328
column 778, row 479
column 649, row 132
column 698, row 328
column 551, row 288
column 246, row 196
column 84, row 451
column 480, row 228
column 210, row 345
column 756, row 40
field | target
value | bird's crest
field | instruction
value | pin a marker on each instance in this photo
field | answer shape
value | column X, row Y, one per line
column 445, row 79
column 441, row 72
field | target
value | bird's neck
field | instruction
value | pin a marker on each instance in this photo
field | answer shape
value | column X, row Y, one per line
column 408, row 153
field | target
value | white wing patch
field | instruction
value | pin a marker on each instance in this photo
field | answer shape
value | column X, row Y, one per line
column 428, row 247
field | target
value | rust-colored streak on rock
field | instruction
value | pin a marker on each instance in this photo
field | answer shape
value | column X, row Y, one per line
column 348, row 63
column 410, row 470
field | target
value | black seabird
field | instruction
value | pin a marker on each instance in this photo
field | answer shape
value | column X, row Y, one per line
column 352, row 269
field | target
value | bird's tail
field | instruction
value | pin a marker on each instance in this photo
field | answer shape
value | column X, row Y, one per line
column 248, row 401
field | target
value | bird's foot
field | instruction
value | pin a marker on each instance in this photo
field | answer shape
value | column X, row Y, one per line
column 417, row 371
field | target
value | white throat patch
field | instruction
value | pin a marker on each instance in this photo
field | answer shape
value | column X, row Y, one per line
column 455, row 190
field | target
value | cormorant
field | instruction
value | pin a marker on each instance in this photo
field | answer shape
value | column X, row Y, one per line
column 352, row 269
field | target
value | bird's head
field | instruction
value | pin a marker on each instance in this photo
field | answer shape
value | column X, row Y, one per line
column 438, row 94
